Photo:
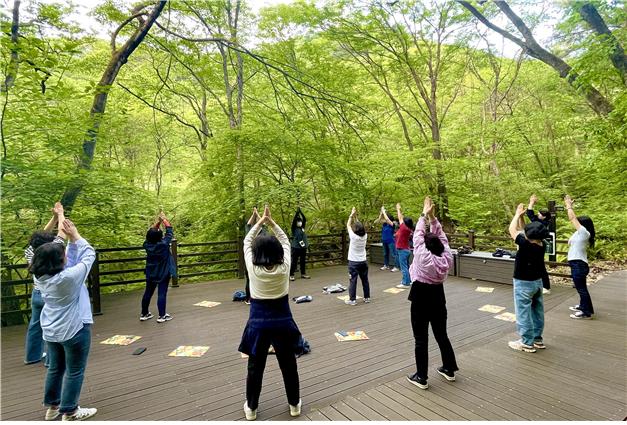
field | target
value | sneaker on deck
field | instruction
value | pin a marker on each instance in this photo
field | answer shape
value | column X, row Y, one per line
column 52, row 414
column 292, row 278
column 367, row 300
column 518, row 345
column 384, row 268
column 251, row 414
column 546, row 291
column 81, row 414
column 295, row 410
column 394, row 269
column 304, row 276
column 580, row 315
column 402, row 285
column 165, row 318
column 419, row 382
column 447, row 374
column 539, row 344
column 350, row 302
column 574, row 308
column 146, row 317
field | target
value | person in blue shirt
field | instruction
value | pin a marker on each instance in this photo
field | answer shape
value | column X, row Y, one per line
column 159, row 267
column 544, row 217
column 387, row 240
column 66, row 320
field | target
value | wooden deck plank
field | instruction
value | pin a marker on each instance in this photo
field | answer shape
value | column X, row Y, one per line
column 343, row 381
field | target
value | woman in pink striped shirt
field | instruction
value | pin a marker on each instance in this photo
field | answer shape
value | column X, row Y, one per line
column 432, row 261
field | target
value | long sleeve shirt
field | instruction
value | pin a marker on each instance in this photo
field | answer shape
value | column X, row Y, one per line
column 426, row 266
column 159, row 261
column 268, row 284
column 65, row 295
column 299, row 237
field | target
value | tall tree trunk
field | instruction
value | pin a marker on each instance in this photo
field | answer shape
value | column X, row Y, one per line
column 12, row 68
column 595, row 99
column 118, row 58
column 590, row 14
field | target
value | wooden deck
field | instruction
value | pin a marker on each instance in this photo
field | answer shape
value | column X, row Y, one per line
column 580, row 376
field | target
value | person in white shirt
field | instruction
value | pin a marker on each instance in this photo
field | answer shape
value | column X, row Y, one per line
column 357, row 260
column 270, row 321
column 578, row 259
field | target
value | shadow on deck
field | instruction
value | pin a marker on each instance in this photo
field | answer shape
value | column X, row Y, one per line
column 580, row 376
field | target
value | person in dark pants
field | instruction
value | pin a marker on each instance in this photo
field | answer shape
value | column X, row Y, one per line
column 544, row 217
column 387, row 240
column 299, row 244
column 357, row 260
column 432, row 260
column 578, row 260
column 270, row 320
column 159, row 268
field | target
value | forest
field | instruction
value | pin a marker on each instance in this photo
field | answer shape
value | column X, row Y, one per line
column 206, row 108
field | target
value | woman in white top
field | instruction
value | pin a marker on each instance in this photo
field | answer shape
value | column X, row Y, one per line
column 270, row 321
column 357, row 260
column 578, row 260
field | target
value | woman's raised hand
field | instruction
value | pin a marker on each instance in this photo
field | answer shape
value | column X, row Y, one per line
column 70, row 229
column 568, row 201
column 520, row 209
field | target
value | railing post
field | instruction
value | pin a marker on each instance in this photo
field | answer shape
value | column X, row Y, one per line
column 344, row 246
column 241, row 265
column 471, row 239
column 95, row 285
column 553, row 226
column 174, row 247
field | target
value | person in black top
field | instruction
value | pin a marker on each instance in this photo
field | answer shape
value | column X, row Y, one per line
column 159, row 268
column 299, row 244
column 528, row 271
column 544, row 217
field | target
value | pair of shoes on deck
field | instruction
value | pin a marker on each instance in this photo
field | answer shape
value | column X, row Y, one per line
column 251, row 414
column 80, row 414
column 578, row 313
column 422, row 382
column 161, row 319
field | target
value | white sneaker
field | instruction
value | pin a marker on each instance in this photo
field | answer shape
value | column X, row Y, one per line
column 81, row 414
column 165, row 318
column 402, row 286
column 366, row 300
column 52, row 414
column 394, row 269
column 295, row 410
column 384, row 268
column 251, row 414
column 546, row 291
column 350, row 302
column 146, row 317
column 292, row 278
column 518, row 345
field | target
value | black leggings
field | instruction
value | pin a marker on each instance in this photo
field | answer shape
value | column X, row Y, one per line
column 298, row 254
column 257, row 363
column 430, row 307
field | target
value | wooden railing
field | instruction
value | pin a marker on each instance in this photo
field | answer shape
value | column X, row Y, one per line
column 120, row 267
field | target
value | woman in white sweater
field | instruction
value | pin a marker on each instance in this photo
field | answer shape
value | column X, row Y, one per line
column 270, row 321
column 357, row 260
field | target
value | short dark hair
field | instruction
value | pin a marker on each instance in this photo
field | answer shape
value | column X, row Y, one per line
column 49, row 259
column 434, row 244
column 409, row 222
column 39, row 238
column 154, row 235
column 586, row 222
column 359, row 228
column 267, row 251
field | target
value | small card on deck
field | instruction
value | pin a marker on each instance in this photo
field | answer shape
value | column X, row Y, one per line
column 208, row 304
column 347, row 297
column 507, row 316
column 121, row 340
column 484, row 289
column 351, row 336
column 394, row 290
column 189, row 351
column 491, row 308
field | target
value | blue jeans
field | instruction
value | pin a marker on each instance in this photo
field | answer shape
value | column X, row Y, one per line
column 151, row 285
column 35, row 344
column 529, row 304
column 389, row 250
column 64, row 380
column 403, row 259
column 579, row 271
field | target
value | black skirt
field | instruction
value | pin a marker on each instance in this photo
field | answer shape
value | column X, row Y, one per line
column 270, row 320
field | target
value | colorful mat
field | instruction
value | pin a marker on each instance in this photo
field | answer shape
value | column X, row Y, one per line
column 189, row 351
column 484, row 289
column 351, row 336
column 394, row 290
column 508, row 317
column 347, row 297
column 208, row 304
column 121, row 340
column 488, row 308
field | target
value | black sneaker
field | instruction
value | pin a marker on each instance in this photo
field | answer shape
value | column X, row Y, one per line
column 448, row 375
column 419, row 382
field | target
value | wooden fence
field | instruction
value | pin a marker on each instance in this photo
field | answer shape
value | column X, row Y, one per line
column 120, row 267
